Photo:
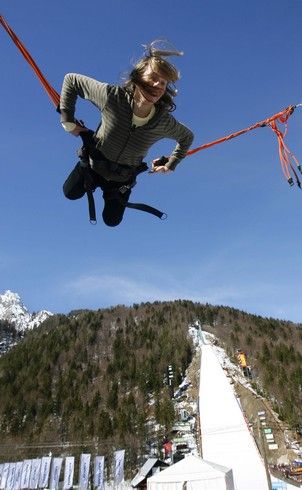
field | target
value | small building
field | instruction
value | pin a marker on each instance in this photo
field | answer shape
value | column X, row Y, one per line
column 149, row 468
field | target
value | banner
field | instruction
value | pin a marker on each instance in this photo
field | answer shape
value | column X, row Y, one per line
column 98, row 474
column 35, row 473
column 55, row 473
column 84, row 471
column 25, row 475
column 17, row 485
column 68, row 473
column 119, row 466
column 4, row 475
column 11, row 477
column 44, row 472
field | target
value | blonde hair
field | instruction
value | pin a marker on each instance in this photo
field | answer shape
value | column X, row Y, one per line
column 160, row 66
column 163, row 68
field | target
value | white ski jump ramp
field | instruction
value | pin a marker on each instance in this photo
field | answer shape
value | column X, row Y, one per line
column 226, row 439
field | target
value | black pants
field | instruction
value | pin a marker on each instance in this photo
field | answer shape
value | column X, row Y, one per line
column 114, row 208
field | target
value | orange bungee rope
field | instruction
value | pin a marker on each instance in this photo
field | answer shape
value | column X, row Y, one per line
column 287, row 158
column 54, row 96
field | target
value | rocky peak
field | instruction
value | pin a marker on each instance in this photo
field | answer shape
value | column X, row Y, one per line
column 13, row 311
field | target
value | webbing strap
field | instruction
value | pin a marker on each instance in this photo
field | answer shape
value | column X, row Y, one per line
column 132, row 205
column 91, row 208
column 146, row 208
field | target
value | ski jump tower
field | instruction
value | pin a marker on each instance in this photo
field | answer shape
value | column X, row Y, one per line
column 225, row 436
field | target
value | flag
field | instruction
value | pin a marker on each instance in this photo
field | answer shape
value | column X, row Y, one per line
column 4, row 475
column 99, row 466
column 17, row 485
column 119, row 466
column 35, row 473
column 25, row 475
column 84, row 471
column 55, row 473
column 44, row 472
column 11, row 477
column 68, row 473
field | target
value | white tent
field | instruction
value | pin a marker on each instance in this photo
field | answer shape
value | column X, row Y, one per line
column 192, row 473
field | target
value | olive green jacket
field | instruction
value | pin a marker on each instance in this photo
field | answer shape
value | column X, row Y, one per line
column 116, row 137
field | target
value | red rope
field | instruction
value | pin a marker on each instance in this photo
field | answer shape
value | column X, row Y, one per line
column 54, row 96
column 259, row 124
column 286, row 156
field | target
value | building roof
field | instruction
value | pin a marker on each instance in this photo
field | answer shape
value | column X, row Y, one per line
column 192, row 469
column 144, row 471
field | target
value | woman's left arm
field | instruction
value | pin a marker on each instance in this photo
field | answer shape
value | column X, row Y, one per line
column 184, row 137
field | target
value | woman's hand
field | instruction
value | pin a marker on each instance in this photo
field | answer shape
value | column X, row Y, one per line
column 78, row 129
column 158, row 165
column 161, row 169
column 74, row 128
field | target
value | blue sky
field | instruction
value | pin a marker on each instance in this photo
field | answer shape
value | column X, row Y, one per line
column 233, row 234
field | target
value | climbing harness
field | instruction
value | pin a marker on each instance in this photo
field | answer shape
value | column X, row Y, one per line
column 89, row 150
column 289, row 162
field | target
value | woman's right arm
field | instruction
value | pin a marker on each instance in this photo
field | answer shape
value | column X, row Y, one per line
column 74, row 86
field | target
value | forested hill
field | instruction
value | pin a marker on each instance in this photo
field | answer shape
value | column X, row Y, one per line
column 99, row 375
column 9, row 335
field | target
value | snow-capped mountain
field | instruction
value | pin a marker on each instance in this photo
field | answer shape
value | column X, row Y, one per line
column 13, row 310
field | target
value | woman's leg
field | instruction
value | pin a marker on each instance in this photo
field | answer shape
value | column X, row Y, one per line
column 74, row 186
column 114, row 207
column 115, row 201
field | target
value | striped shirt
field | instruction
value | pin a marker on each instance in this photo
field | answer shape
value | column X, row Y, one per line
column 116, row 136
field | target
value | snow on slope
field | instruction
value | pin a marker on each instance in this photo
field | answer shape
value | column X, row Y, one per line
column 13, row 310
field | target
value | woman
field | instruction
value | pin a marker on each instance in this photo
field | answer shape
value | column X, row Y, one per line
column 134, row 117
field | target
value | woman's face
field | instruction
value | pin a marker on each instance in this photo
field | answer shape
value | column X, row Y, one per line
column 153, row 85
